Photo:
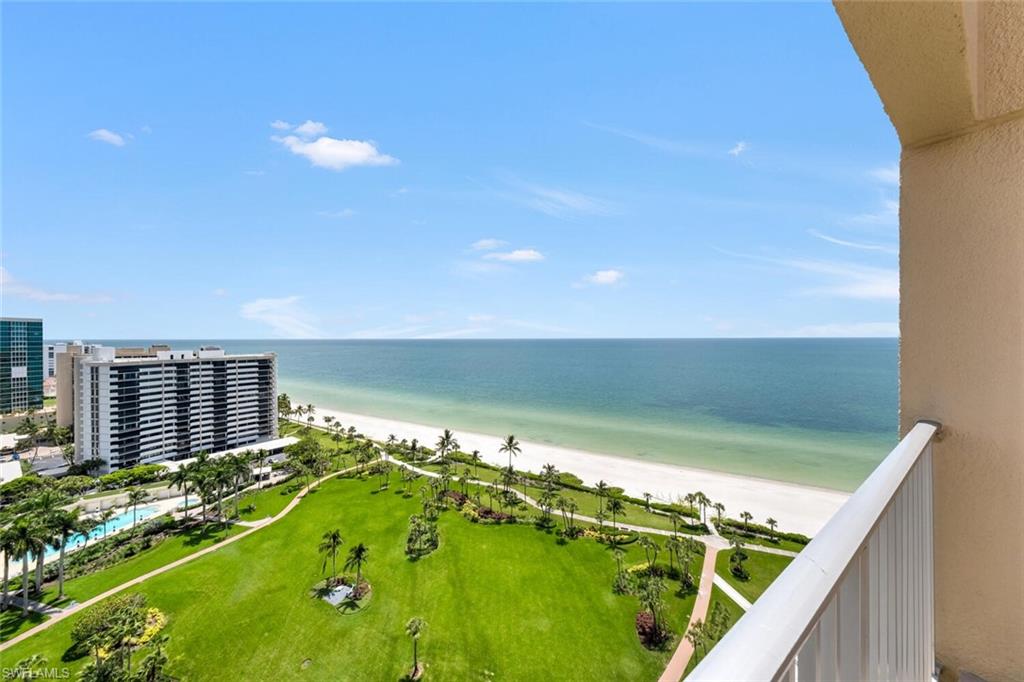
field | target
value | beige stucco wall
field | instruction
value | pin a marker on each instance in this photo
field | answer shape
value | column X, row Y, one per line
column 951, row 78
column 962, row 362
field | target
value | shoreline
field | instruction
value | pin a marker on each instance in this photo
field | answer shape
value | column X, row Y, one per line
column 798, row 508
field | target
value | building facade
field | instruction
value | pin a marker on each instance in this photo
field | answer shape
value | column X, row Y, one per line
column 50, row 352
column 21, row 364
column 139, row 410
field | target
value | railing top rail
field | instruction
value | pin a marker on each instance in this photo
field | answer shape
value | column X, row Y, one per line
column 766, row 638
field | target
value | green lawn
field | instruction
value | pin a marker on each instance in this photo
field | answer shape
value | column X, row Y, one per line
column 261, row 504
column 506, row 599
column 12, row 624
column 717, row 596
column 88, row 586
column 588, row 503
column 762, row 567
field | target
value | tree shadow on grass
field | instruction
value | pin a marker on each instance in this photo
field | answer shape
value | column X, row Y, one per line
column 12, row 621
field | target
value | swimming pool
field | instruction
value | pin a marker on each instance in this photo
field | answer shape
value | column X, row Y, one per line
column 114, row 524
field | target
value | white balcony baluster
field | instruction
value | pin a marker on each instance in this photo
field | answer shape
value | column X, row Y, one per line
column 856, row 604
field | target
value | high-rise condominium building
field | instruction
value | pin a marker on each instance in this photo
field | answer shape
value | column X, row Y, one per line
column 50, row 352
column 21, row 364
column 171, row 405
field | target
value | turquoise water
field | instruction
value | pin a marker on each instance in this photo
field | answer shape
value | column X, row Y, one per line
column 117, row 522
column 814, row 411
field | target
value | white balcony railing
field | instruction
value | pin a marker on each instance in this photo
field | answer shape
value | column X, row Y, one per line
column 856, row 604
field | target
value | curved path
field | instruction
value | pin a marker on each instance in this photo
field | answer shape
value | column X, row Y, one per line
column 676, row 667
column 71, row 610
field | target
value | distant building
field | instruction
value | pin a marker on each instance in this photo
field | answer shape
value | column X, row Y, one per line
column 21, row 364
column 166, row 405
column 50, row 351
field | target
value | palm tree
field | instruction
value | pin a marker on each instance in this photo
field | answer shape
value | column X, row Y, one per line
column 602, row 492
column 27, row 537
column 261, row 459
column 746, row 516
column 703, row 501
column 511, row 446
column 446, row 445
column 672, row 546
column 772, row 523
column 104, row 518
column 136, row 495
column 182, row 480
column 475, row 456
column 647, row 501
column 413, row 628
column 616, row 508
column 239, row 468
column 330, row 543
column 650, row 551
column 8, row 547
column 676, row 519
column 310, row 411
column 690, row 498
column 66, row 524
column 357, row 556
column 720, row 508
column 43, row 508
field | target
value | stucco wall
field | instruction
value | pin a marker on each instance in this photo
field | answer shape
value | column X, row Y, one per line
column 962, row 362
column 951, row 77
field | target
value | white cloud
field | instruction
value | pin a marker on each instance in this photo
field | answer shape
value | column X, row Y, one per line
column 108, row 136
column 890, row 175
column 311, row 129
column 284, row 316
column 280, row 125
column 602, row 278
column 562, row 203
column 386, row 332
column 653, row 141
column 888, row 214
column 335, row 154
column 739, row 148
column 516, row 256
column 13, row 287
column 146, row 129
column 220, row 292
column 453, row 333
column 856, row 329
column 881, row 248
column 342, row 213
column 487, row 244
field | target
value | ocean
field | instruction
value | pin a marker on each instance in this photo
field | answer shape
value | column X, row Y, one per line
column 819, row 412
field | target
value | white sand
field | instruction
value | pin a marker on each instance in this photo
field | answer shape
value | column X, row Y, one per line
column 797, row 508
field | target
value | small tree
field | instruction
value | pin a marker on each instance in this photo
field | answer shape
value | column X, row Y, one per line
column 616, row 509
column 330, row 544
column 357, row 557
column 771, row 524
column 746, row 516
column 414, row 628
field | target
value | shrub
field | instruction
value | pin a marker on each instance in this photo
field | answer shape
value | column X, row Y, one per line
column 22, row 488
column 144, row 473
column 651, row 636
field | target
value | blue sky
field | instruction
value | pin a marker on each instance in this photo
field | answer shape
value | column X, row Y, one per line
column 450, row 171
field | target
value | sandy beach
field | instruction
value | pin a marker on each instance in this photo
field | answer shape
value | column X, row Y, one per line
column 801, row 509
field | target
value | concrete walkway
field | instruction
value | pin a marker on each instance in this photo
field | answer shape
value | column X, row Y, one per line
column 724, row 585
column 676, row 667
column 71, row 610
column 38, row 607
